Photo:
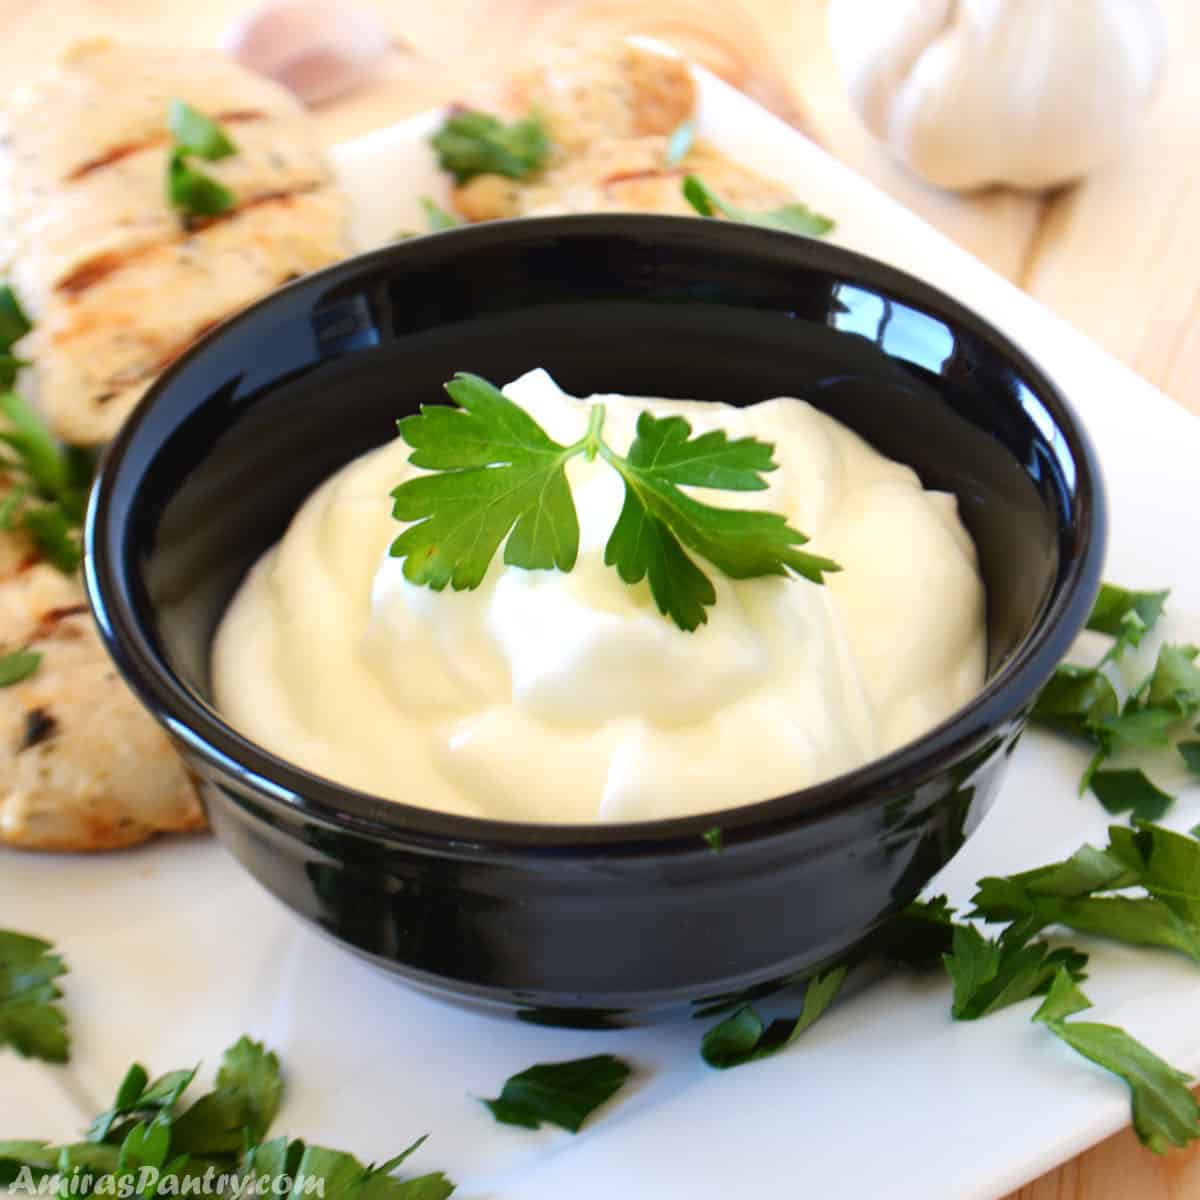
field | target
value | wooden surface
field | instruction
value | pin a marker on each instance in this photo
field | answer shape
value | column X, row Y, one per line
column 1118, row 256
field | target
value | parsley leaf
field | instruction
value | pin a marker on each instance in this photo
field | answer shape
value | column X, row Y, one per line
column 1131, row 791
column 49, row 493
column 990, row 974
column 1140, row 728
column 1125, row 615
column 1191, row 755
column 743, row 1038
column 136, row 1096
column 503, row 477
column 437, row 217
column 715, row 837
column 474, row 143
column 336, row 1175
column 47, row 466
column 679, row 144
column 9, row 366
column 1076, row 700
column 196, row 136
column 563, row 1094
column 194, row 133
column 39, row 1157
column 1078, row 893
column 14, row 324
column 193, row 192
column 18, row 665
column 501, row 472
column 791, row 218
column 1175, row 685
column 1164, row 1111
column 56, row 536
column 656, row 517
column 240, row 1109
column 30, row 1022
column 144, row 1146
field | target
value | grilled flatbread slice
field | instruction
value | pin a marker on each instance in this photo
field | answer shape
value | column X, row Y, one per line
column 118, row 282
column 610, row 110
column 82, row 765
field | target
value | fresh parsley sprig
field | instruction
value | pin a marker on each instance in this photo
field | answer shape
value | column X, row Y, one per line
column 17, row 665
column 189, row 189
column 218, row 1140
column 31, row 1022
column 1165, row 1113
column 1093, row 891
column 497, row 475
column 1082, row 701
column 791, row 218
column 472, row 143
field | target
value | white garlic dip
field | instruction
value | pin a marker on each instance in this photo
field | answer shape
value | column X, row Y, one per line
column 545, row 696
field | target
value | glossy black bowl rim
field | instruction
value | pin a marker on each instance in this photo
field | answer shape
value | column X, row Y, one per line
column 196, row 725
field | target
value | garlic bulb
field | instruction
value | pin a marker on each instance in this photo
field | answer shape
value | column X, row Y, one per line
column 1024, row 92
column 316, row 50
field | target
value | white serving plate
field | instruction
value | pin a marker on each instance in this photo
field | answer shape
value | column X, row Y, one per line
column 174, row 951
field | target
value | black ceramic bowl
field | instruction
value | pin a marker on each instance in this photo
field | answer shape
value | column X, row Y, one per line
column 576, row 922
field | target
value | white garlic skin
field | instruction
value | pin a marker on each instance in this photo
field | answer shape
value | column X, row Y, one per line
column 1029, row 93
column 316, row 50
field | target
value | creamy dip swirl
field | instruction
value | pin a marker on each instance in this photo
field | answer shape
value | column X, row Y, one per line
column 551, row 697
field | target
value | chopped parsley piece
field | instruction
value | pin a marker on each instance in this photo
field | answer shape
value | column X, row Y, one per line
column 1174, row 687
column 30, row 1020
column 1076, row 700
column 474, row 143
column 500, row 476
column 1125, row 615
column 791, row 218
column 14, row 325
column 563, row 1094
column 1165, row 1113
column 190, row 190
column 715, row 837
column 18, row 665
column 1132, row 792
column 743, row 1038
column 143, row 1147
column 138, row 1099
column 1088, row 892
